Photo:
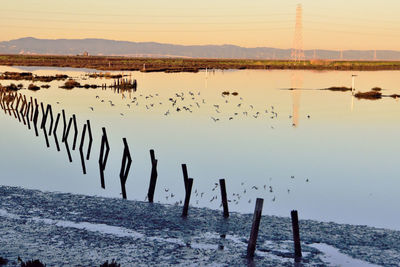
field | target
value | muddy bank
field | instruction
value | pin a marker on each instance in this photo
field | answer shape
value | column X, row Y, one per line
column 62, row 228
column 187, row 64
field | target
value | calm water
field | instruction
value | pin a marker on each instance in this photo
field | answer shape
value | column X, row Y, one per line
column 331, row 157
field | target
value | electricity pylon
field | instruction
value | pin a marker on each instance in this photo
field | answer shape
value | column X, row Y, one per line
column 297, row 49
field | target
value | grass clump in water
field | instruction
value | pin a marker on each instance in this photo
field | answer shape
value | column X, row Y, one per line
column 338, row 88
column 33, row 87
column 371, row 95
column 70, row 84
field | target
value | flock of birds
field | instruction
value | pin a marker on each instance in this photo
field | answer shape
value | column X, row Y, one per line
column 243, row 194
column 227, row 108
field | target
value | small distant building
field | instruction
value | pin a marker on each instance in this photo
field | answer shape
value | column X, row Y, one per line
column 85, row 54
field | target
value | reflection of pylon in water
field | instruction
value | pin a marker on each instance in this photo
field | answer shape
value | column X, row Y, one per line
column 297, row 83
column 297, row 49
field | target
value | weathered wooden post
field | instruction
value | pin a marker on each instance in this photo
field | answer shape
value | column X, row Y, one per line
column 125, row 167
column 251, row 247
column 81, row 149
column 103, row 157
column 27, row 115
column 153, row 176
column 44, row 118
column 45, row 136
column 76, row 131
column 55, row 132
column 43, row 115
column 68, row 151
column 90, row 140
column 67, row 130
column 187, row 197
column 296, row 236
column 31, row 109
column 224, row 197
column 185, row 176
column 35, row 119
column 65, row 126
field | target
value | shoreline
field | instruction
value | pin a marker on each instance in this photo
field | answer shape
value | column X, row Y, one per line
column 119, row 63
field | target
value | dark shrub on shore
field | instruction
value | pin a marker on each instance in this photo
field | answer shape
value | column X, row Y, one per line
column 377, row 89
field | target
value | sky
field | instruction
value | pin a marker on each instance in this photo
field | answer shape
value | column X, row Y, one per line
column 337, row 25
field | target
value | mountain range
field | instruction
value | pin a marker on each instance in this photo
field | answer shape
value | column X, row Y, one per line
column 30, row 45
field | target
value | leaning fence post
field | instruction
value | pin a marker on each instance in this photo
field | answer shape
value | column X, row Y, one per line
column 65, row 126
column 153, row 177
column 76, row 131
column 296, row 236
column 90, row 140
column 185, row 175
column 81, row 149
column 224, row 198
column 103, row 157
column 125, row 167
column 55, row 132
column 187, row 197
column 35, row 119
column 251, row 247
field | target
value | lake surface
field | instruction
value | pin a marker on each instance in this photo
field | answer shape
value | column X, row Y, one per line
column 326, row 154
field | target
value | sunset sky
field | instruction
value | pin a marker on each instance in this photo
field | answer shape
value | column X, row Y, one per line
column 339, row 24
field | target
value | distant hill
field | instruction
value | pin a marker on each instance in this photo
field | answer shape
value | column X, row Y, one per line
column 31, row 45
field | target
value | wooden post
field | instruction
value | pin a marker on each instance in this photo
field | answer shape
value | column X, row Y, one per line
column 185, row 176
column 153, row 177
column 296, row 236
column 50, row 110
column 103, row 157
column 90, row 140
column 44, row 115
column 46, row 137
column 125, row 167
column 224, row 198
column 187, row 197
column 55, row 132
column 76, row 131
column 67, row 131
column 65, row 126
column 251, row 247
column 68, row 151
column 31, row 109
column 27, row 115
column 35, row 119
column 81, row 149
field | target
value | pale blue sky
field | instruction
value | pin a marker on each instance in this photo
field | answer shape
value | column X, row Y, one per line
column 339, row 24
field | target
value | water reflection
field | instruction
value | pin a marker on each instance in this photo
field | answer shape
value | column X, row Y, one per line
column 319, row 168
column 296, row 83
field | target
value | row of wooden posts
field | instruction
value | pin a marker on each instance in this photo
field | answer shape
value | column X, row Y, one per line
column 29, row 112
